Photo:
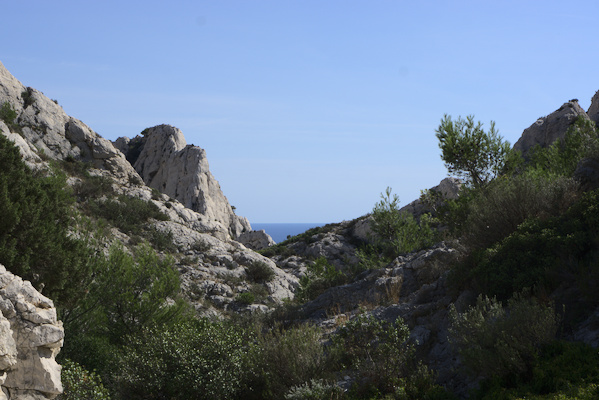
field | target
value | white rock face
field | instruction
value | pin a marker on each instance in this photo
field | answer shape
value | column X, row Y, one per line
column 256, row 240
column 46, row 127
column 30, row 339
column 181, row 171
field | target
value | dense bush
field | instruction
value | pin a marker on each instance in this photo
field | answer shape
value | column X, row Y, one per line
column 562, row 157
column 320, row 275
column 499, row 208
column 284, row 358
column 35, row 239
column 259, row 271
column 383, row 359
column 128, row 213
column 540, row 253
column 494, row 341
column 398, row 232
column 80, row 384
column 196, row 359
column 7, row 114
column 563, row 370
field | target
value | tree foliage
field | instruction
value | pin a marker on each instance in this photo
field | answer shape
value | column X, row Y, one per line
column 471, row 153
column 35, row 221
column 399, row 232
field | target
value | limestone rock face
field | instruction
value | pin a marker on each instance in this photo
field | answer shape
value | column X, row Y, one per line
column 46, row 127
column 593, row 111
column 547, row 129
column 256, row 240
column 217, row 270
column 30, row 339
column 166, row 163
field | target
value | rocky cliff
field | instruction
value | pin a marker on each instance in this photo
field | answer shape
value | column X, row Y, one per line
column 30, row 339
column 167, row 163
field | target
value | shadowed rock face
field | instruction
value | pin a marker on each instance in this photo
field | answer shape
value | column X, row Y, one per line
column 165, row 162
column 550, row 128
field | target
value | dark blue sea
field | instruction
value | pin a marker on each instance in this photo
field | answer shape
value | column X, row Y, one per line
column 280, row 231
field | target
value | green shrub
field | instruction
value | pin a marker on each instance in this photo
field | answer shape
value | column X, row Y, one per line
column 259, row 271
column 499, row 208
column 284, row 358
column 494, row 341
column 80, row 384
column 7, row 113
column 196, row 359
column 563, row 370
column 246, row 298
column 562, row 157
column 36, row 217
column 320, row 275
column 384, row 360
column 397, row 233
column 540, row 253
column 129, row 293
column 127, row 213
column 316, row 389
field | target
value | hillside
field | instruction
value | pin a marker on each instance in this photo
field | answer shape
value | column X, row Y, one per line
column 165, row 293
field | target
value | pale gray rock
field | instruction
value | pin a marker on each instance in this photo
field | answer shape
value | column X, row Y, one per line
column 46, row 127
column 218, row 267
column 550, row 128
column 593, row 111
column 256, row 240
column 30, row 339
column 181, row 171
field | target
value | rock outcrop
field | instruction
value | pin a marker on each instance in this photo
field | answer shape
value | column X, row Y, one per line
column 215, row 271
column 30, row 339
column 593, row 111
column 45, row 126
column 256, row 240
column 550, row 128
column 166, row 163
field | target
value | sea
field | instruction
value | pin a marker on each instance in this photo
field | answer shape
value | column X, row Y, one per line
column 279, row 231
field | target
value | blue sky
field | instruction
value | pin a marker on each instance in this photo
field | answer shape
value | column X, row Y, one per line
column 308, row 110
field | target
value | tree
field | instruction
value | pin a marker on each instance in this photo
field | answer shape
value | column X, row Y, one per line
column 471, row 153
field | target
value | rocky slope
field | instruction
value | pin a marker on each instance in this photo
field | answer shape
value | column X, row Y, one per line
column 215, row 269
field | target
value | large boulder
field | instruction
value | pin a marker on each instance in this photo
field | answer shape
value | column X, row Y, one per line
column 165, row 162
column 548, row 129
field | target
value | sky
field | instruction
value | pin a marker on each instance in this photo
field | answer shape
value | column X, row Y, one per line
column 308, row 110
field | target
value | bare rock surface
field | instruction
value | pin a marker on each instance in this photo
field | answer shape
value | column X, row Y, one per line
column 30, row 339
column 214, row 272
column 166, row 163
column 550, row 128
column 46, row 127
column 256, row 240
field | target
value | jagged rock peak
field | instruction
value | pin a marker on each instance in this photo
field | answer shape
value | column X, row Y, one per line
column 550, row 128
column 167, row 163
